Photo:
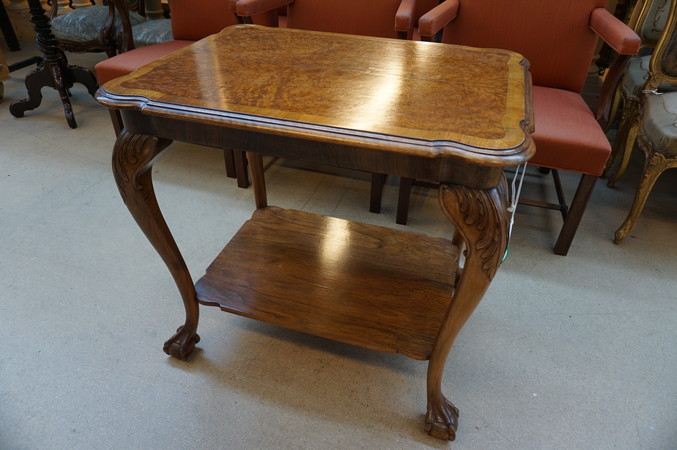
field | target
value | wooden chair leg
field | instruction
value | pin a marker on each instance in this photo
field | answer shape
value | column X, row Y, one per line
column 403, row 200
column 377, row 182
column 610, row 96
column 241, row 172
column 229, row 159
column 613, row 111
column 258, row 179
column 624, row 138
column 576, row 210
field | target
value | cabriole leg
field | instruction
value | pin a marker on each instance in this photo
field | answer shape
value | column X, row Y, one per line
column 481, row 221
column 654, row 165
column 133, row 158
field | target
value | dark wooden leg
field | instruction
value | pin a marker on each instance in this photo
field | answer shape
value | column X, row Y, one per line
column 54, row 71
column 377, row 181
column 575, row 214
column 625, row 141
column 241, row 172
column 116, row 118
column 133, row 158
column 403, row 200
column 609, row 96
column 258, row 179
column 229, row 159
column 481, row 221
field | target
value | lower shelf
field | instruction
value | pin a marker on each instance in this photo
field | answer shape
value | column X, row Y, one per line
column 375, row 287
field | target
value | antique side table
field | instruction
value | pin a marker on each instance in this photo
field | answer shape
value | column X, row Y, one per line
column 448, row 114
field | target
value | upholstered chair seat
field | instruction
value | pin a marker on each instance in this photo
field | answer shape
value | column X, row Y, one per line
column 82, row 30
column 567, row 134
column 636, row 74
column 85, row 24
column 659, row 124
column 657, row 138
column 128, row 62
column 152, row 32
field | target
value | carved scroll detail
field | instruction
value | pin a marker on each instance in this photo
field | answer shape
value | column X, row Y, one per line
column 133, row 155
column 481, row 218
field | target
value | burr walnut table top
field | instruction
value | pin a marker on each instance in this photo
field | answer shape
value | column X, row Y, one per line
column 417, row 98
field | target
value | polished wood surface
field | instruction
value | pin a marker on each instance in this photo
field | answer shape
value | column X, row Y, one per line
column 323, row 274
column 251, row 77
column 326, row 98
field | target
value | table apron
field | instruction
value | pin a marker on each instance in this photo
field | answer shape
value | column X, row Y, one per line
column 442, row 170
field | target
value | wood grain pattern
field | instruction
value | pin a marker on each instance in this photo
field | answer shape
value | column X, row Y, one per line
column 375, row 287
column 472, row 104
column 449, row 114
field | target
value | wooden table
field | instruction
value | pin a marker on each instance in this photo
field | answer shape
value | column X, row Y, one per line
column 447, row 114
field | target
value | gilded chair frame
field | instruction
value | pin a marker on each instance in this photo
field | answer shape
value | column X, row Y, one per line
column 663, row 69
column 627, row 126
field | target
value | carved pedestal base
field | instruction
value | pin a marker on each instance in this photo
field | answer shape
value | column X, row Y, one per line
column 54, row 71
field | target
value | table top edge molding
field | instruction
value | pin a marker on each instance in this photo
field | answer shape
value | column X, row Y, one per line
column 507, row 157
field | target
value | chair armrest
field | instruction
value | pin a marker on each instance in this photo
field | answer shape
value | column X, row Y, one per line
column 248, row 8
column 404, row 18
column 615, row 33
column 437, row 18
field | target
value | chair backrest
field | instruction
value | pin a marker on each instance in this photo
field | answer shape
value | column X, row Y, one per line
column 663, row 66
column 193, row 20
column 554, row 35
column 364, row 17
column 648, row 20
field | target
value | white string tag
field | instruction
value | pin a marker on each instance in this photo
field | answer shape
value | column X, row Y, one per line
column 515, row 191
column 652, row 91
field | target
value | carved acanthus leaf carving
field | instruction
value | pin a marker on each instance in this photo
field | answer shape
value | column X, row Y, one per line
column 481, row 218
column 132, row 156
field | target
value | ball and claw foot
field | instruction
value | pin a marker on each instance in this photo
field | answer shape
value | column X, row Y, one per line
column 442, row 420
column 182, row 344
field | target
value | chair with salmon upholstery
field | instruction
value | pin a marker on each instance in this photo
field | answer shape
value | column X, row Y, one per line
column 559, row 39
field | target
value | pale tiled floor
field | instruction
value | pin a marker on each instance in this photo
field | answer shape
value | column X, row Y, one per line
column 573, row 352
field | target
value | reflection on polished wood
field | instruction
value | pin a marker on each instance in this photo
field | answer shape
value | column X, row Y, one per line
column 326, row 98
column 360, row 284
column 287, row 79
